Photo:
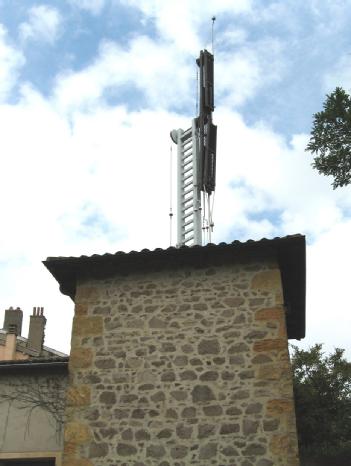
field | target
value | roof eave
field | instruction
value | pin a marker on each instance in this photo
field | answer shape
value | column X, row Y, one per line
column 289, row 251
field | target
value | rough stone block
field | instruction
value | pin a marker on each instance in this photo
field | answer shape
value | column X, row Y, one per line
column 238, row 348
column 76, row 462
column 77, row 433
column 80, row 358
column 213, row 410
column 264, row 462
column 230, row 451
column 141, row 435
column 155, row 451
column 87, row 326
column 108, row 398
column 254, row 449
column 276, row 408
column 272, row 372
column 79, row 395
column 98, row 450
column 280, row 445
column 81, row 309
column 126, row 449
column 254, row 408
column 249, row 427
column 209, row 376
column 189, row 412
column 206, row 430
column 183, row 431
column 229, row 429
column 270, row 313
column 270, row 425
column 156, row 323
column 165, row 433
column 105, row 363
column 234, row 301
column 86, row 293
column 275, row 344
column 267, row 280
column 202, row 393
column 208, row 451
column 179, row 451
column 209, row 346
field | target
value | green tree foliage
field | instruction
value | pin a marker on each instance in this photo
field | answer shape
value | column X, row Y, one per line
column 322, row 387
column 330, row 140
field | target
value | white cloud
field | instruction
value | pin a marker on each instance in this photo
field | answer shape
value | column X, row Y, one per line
column 328, row 316
column 81, row 177
column 187, row 23
column 165, row 76
column 57, row 176
column 241, row 72
column 11, row 60
column 339, row 75
column 99, row 181
column 43, row 24
column 271, row 175
column 158, row 71
column 93, row 6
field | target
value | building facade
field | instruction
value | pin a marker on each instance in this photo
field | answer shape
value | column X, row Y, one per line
column 33, row 380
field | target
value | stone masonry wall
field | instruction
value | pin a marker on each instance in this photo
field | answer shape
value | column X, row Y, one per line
column 183, row 367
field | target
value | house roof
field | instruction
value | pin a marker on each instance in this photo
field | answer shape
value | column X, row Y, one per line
column 21, row 346
column 289, row 251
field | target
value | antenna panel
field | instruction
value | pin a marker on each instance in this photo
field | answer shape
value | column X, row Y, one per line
column 208, row 80
column 188, row 190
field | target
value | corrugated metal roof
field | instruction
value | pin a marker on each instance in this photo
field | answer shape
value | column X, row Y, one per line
column 235, row 243
column 289, row 252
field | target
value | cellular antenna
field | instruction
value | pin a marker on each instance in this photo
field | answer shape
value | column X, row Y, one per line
column 196, row 163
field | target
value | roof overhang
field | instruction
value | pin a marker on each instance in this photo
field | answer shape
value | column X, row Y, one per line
column 290, row 253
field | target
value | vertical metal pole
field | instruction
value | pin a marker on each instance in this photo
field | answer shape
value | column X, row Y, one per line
column 197, row 186
column 179, row 188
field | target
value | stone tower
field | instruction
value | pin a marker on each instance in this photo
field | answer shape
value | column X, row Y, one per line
column 180, row 356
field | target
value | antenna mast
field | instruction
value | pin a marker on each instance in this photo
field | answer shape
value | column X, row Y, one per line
column 196, row 173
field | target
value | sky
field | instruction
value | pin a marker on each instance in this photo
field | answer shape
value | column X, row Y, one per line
column 89, row 92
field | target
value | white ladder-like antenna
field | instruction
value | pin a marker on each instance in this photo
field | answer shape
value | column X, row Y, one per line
column 188, row 187
column 196, row 162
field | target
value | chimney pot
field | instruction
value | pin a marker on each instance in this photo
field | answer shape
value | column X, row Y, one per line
column 36, row 330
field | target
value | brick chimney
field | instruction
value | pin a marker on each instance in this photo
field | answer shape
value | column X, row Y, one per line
column 13, row 321
column 36, row 330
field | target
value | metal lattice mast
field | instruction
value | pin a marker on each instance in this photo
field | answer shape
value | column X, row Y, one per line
column 196, row 163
